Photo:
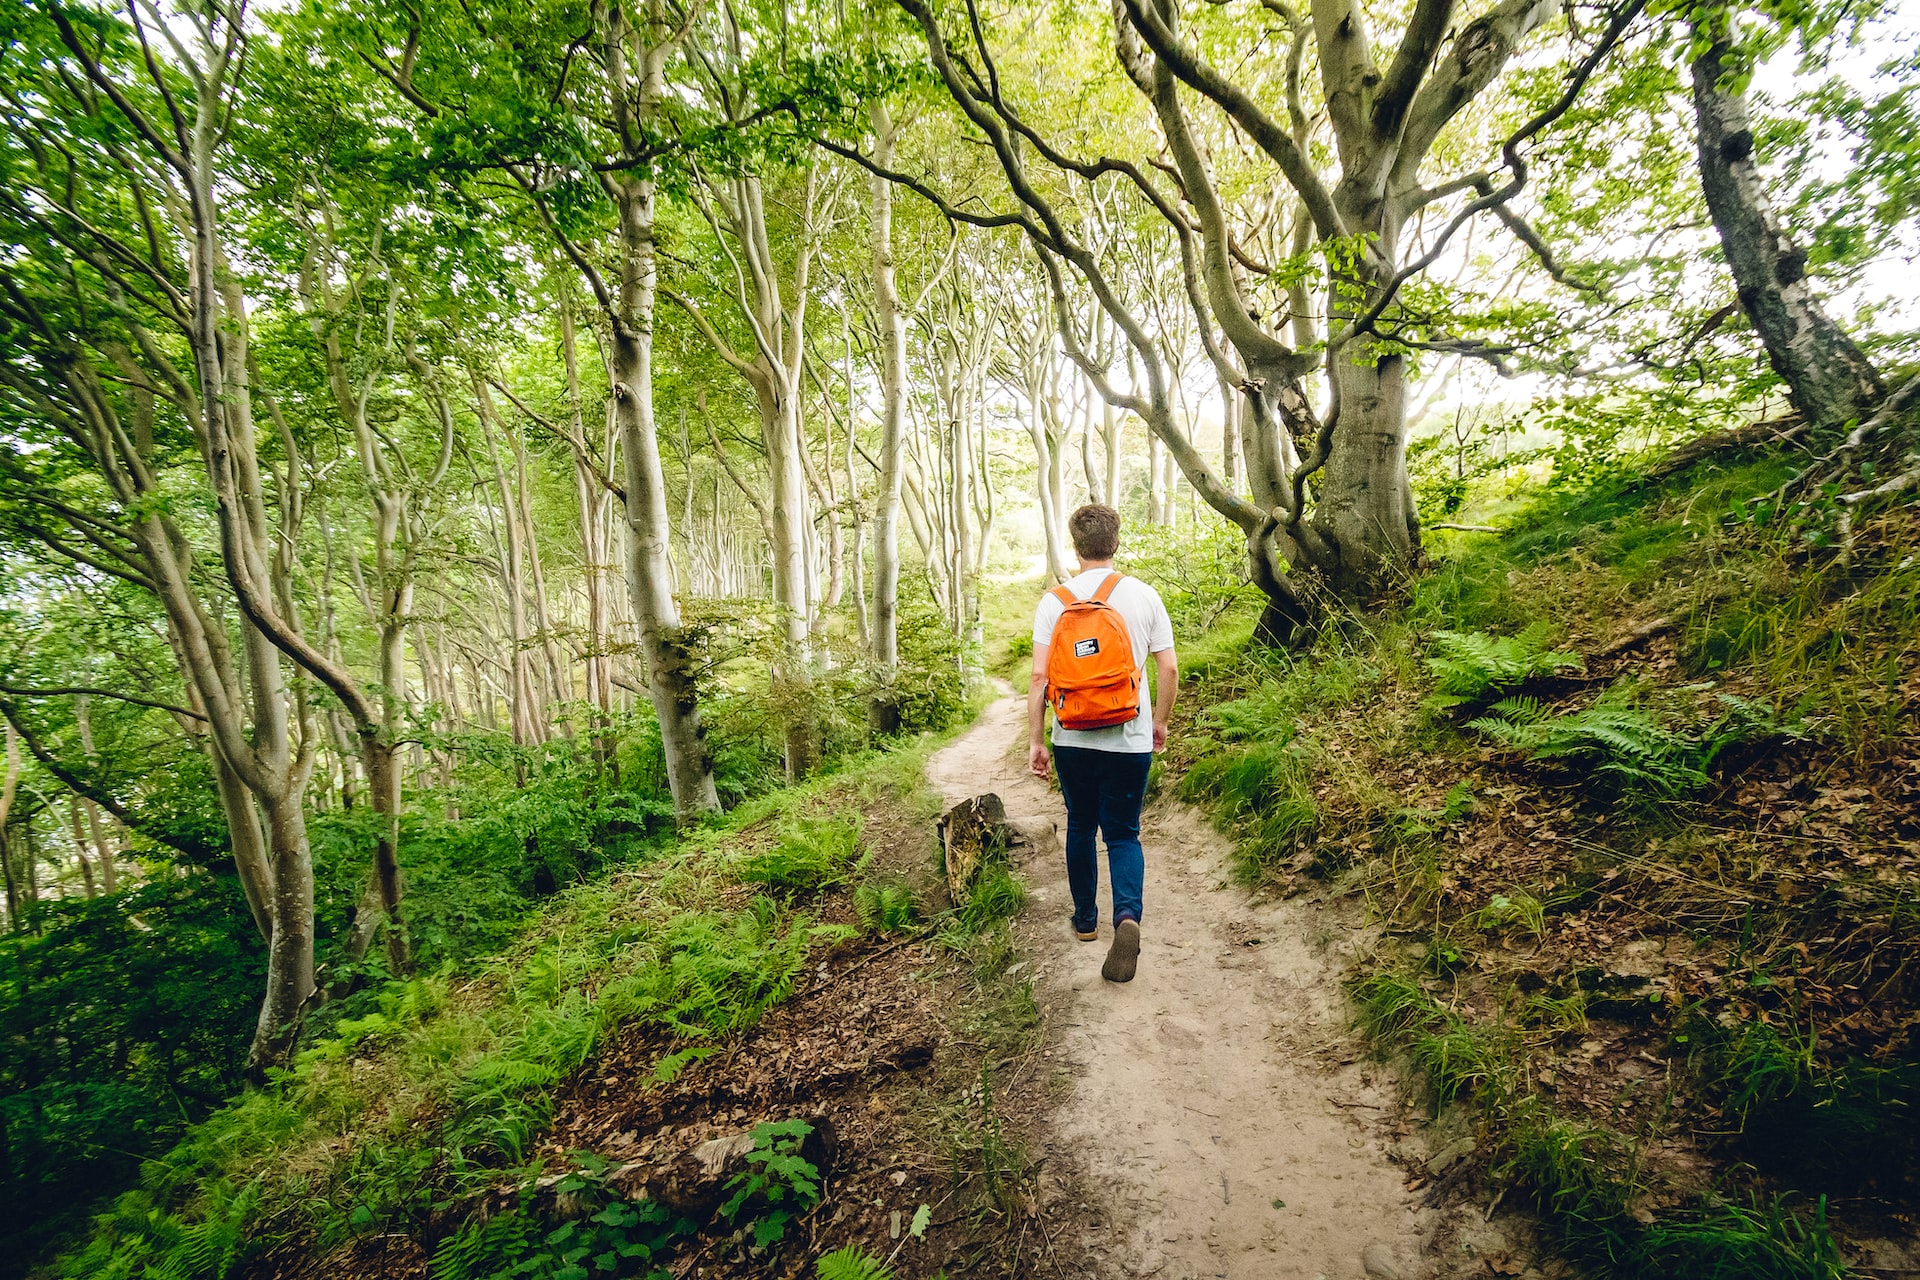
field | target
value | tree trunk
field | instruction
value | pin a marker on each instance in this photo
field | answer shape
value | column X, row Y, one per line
column 383, row 780
column 592, row 499
column 559, row 673
column 9, row 783
column 856, row 516
column 1158, row 500
column 529, row 725
column 645, row 35
column 792, row 532
column 1829, row 379
column 290, row 948
column 1046, row 471
column 1112, row 427
column 79, row 827
column 1229, row 436
column 13, row 888
column 670, row 662
column 96, row 827
column 1364, row 503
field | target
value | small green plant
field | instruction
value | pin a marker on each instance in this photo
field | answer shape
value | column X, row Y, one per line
column 1556, row 1015
column 1504, row 909
column 778, row 1183
column 1267, row 790
column 1757, row 1065
column 137, row 1239
column 606, row 1235
column 1469, row 667
column 721, row 973
column 1632, row 746
column 851, row 1263
column 997, row 895
column 884, row 907
column 1756, row 1241
column 982, row 1150
column 1579, row 1173
column 1457, row 1058
column 812, row 854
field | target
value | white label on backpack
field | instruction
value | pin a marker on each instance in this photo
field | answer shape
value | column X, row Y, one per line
column 1086, row 648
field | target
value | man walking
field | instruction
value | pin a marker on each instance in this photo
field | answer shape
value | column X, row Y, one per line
column 1106, row 729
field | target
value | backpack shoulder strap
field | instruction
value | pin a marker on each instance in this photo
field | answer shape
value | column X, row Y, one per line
column 1066, row 598
column 1106, row 588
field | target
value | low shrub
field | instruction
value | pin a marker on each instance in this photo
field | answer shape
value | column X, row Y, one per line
column 812, row 854
column 884, row 906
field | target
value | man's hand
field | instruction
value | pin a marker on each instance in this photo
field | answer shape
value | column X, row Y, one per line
column 1037, row 762
column 1166, row 689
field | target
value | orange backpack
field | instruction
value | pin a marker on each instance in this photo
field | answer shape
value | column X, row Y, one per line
column 1092, row 679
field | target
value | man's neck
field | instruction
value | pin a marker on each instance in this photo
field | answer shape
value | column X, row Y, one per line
column 1088, row 566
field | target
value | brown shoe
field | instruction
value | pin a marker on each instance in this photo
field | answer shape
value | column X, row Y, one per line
column 1124, row 956
column 1091, row 935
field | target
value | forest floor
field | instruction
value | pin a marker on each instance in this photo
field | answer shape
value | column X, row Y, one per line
column 1219, row 1111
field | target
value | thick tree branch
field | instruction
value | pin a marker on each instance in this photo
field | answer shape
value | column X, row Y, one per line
column 1266, row 133
column 1516, row 165
column 1425, row 30
column 1476, row 55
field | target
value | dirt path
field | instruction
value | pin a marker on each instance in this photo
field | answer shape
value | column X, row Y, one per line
column 1223, row 1079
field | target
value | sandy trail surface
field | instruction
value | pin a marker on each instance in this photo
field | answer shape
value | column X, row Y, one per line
column 1220, row 1111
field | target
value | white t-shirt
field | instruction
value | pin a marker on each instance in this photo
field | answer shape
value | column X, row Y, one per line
column 1151, row 632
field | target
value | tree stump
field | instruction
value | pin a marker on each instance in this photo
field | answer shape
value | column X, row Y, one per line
column 974, row 830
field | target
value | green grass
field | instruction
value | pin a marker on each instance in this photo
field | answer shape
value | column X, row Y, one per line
column 1266, row 792
column 1583, row 1177
column 1638, row 536
column 1006, row 617
column 997, row 895
column 446, row 1084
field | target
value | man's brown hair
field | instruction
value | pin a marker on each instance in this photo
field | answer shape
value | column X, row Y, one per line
column 1095, row 529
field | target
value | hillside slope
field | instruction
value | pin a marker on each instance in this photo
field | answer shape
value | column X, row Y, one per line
column 1633, row 789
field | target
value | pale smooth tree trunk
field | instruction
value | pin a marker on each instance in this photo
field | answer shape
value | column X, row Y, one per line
column 776, row 313
column 670, row 662
column 529, row 724
column 77, row 824
column 96, row 826
column 9, row 788
column 1828, row 378
column 591, row 495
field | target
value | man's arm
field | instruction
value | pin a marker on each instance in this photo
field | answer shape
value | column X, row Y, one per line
column 1037, row 716
column 1166, row 689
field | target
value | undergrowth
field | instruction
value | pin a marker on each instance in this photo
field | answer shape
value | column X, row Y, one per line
column 1493, row 797
column 441, row 1089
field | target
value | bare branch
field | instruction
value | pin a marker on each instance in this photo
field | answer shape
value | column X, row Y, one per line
column 22, row 692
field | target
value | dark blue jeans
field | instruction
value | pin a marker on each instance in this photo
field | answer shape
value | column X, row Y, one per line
column 1103, row 791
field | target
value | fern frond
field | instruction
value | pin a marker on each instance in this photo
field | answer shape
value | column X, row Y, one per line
column 851, row 1263
column 1471, row 666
